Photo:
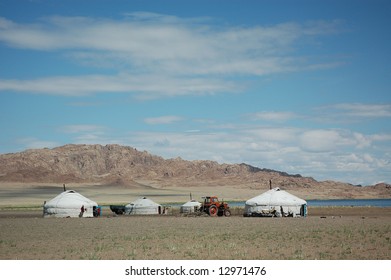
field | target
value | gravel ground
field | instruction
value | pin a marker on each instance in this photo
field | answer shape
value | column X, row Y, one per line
column 328, row 233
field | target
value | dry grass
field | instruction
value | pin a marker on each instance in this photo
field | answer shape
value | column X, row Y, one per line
column 345, row 233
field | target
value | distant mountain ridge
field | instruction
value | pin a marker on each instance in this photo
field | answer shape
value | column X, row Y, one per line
column 94, row 163
column 122, row 165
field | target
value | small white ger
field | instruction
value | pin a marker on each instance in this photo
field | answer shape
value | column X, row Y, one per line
column 275, row 202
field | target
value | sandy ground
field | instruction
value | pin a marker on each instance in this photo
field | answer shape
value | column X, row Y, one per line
column 23, row 194
column 16, row 194
column 328, row 233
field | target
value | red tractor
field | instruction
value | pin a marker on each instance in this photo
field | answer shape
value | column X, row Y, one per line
column 213, row 207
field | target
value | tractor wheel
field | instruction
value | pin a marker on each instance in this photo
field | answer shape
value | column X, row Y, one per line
column 227, row 212
column 213, row 211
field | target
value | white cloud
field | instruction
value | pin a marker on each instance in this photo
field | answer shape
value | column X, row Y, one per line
column 273, row 116
column 82, row 128
column 362, row 141
column 365, row 110
column 88, row 134
column 171, row 55
column 34, row 143
column 353, row 112
column 163, row 120
column 381, row 137
column 142, row 86
column 329, row 140
column 319, row 140
column 273, row 134
column 323, row 154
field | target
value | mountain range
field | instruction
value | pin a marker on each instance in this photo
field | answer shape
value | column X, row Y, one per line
column 126, row 166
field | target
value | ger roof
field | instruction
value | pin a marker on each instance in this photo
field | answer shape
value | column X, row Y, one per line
column 275, row 196
column 69, row 199
column 144, row 202
column 192, row 203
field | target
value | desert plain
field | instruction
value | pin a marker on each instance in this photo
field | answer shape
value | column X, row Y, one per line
column 327, row 233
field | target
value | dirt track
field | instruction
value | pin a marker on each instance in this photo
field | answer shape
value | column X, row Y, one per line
column 328, row 233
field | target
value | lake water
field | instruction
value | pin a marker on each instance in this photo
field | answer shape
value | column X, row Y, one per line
column 336, row 202
column 351, row 202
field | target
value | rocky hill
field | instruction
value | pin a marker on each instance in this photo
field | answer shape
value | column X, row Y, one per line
column 114, row 163
column 121, row 165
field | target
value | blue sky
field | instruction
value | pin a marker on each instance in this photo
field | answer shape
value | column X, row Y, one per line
column 297, row 86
